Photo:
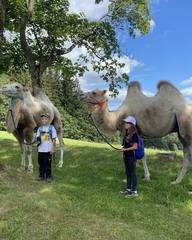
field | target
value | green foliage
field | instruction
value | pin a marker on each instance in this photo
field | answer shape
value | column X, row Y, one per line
column 169, row 142
column 3, row 103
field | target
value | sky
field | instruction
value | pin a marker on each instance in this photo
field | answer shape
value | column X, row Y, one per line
column 165, row 53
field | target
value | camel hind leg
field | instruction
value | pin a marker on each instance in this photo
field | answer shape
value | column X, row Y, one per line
column 185, row 136
column 145, row 168
column 61, row 142
column 186, row 152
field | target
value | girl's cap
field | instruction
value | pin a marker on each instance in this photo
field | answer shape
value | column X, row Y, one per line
column 130, row 119
column 45, row 115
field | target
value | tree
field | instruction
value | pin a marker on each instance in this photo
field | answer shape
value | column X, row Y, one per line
column 45, row 32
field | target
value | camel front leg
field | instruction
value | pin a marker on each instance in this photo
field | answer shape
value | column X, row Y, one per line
column 29, row 155
column 61, row 143
column 145, row 168
column 22, row 154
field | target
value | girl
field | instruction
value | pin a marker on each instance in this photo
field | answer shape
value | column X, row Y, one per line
column 130, row 139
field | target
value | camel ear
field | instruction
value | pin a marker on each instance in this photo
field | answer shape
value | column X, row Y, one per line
column 25, row 88
column 104, row 92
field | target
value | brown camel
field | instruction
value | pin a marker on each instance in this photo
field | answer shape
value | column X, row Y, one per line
column 26, row 112
column 156, row 116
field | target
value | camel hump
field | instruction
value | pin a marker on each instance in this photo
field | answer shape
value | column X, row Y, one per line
column 134, row 85
column 167, row 86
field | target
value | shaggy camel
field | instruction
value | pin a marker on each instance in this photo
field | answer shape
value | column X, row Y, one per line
column 156, row 116
column 26, row 112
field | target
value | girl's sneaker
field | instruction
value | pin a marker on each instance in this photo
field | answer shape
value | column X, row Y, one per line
column 131, row 194
column 125, row 191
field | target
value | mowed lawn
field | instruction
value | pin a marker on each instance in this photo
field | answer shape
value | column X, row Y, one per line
column 83, row 201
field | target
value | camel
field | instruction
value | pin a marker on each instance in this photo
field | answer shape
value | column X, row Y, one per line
column 156, row 116
column 26, row 116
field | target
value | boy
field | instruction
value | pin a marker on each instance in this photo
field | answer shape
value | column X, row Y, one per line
column 46, row 136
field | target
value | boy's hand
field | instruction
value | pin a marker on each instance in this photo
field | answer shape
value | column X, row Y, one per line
column 52, row 151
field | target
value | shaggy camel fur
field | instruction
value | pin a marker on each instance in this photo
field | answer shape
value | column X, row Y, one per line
column 27, row 112
column 156, row 116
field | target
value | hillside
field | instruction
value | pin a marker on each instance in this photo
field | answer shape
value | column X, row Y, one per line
column 83, row 201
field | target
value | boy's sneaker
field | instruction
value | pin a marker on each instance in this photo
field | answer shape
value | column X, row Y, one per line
column 49, row 180
column 40, row 178
column 131, row 194
column 125, row 191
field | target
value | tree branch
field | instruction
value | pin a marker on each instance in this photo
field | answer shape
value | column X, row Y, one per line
column 2, row 18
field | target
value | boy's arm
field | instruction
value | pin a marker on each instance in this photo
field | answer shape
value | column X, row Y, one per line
column 53, row 146
column 38, row 138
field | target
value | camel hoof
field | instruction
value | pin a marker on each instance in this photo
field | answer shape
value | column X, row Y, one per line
column 59, row 165
column 21, row 169
column 30, row 170
column 146, row 179
column 174, row 183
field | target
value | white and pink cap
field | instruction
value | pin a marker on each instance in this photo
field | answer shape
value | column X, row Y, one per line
column 130, row 119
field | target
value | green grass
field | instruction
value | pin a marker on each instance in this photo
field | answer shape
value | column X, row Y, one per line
column 83, row 202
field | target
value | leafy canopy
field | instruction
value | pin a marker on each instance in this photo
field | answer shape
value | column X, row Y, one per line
column 44, row 32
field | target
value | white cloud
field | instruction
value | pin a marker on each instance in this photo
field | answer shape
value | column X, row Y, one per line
column 187, row 92
column 91, row 79
column 148, row 93
column 117, row 101
column 188, row 99
column 155, row 2
column 10, row 36
column 187, row 81
column 89, row 8
column 152, row 25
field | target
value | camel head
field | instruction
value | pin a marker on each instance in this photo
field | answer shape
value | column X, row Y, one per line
column 96, row 100
column 14, row 90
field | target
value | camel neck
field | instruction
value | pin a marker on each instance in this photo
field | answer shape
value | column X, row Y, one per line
column 14, row 101
column 107, row 121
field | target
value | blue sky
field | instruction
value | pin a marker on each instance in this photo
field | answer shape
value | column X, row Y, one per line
column 163, row 54
column 166, row 52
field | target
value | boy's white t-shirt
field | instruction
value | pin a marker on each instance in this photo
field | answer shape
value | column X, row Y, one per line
column 46, row 142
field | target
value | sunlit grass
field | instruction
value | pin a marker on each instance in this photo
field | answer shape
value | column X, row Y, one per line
column 83, row 201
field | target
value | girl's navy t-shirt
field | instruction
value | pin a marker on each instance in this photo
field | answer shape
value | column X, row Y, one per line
column 128, row 142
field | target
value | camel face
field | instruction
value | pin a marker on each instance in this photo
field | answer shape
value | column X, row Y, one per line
column 14, row 90
column 96, row 100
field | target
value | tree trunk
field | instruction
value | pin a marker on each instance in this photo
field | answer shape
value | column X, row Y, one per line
column 36, row 76
column 2, row 18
